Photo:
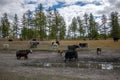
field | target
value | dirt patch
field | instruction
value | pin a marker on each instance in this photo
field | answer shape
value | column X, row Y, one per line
column 8, row 62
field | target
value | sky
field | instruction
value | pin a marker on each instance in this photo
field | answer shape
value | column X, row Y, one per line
column 67, row 8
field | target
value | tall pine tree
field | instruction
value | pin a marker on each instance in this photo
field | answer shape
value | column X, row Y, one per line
column 104, row 21
column 73, row 27
column 58, row 26
column 93, row 34
column 40, row 22
column 5, row 26
column 86, row 22
column 49, row 20
column 24, row 28
column 15, row 27
column 80, row 27
column 115, row 28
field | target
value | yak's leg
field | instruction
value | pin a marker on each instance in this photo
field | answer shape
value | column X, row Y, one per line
column 26, row 57
column 66, row 57
column 76, row 56
column 65, row 60
column 98, row 51
column 18, row 57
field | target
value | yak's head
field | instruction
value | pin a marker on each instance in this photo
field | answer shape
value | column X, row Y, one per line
column 29, row 51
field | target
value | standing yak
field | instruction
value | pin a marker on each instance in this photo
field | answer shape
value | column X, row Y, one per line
column 71, row 53
column 34, row 44
column 23, row 53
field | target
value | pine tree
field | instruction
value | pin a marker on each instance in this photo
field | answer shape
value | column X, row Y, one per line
column 49, row 19
column 62, row 28
column 73, row 27
column 15, row 27
column 24, row 27
column 93, row 28
column 5, row 25
column 58, row 26
column 104, row 21
column 80, row 27
column 40, row 22
column 86, row 22
column 115, row 28
column 68, row 32
column 56, row 23
column 29, row 24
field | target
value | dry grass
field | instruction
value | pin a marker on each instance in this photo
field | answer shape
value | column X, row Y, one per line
column 46, row 45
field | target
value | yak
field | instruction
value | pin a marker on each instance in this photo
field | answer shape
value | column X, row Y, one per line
column 23, row 53
column 73, row 47
column 55, row 44
column 34, row 44
column 115, row 39
column 5, row 46
column 83, row 45
column 99, row 51
column 71, row 53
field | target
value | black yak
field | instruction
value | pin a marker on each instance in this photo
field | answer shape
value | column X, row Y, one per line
column 83, row 45
column 115, row 39
column 71, row 53
column 10, row 40
column 73, row 47
column 99, row 51
column 23, row 53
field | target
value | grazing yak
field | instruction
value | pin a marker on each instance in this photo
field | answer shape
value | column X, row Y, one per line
column 5, row 46
column 83, row 45
column 99, row 51
column 34, row 44
column 116, row 39
column 73, row 47
column 10, row 40
column 23, row 53
column 55, row 44
column 71, row 53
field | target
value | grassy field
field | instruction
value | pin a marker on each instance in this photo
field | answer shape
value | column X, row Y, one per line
column 8, row 61
column 46, row 45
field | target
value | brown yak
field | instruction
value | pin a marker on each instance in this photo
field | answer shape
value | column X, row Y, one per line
column 23, row 53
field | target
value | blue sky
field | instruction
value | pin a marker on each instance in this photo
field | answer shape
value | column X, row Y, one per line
column 67, row 8
column 63, row 4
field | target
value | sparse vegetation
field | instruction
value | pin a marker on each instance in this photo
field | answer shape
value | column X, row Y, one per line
column 13, row 69
column 46, row 45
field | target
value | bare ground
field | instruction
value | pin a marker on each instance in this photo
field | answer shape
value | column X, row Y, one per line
column 8, row 62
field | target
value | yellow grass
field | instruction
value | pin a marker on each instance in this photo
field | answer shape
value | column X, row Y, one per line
column 46, row 45
column 93, row 44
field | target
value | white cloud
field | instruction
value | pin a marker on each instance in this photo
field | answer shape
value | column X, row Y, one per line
column 68, row 12
column 74, row 10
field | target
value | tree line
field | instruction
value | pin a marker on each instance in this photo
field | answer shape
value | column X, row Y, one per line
column 51, row 25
